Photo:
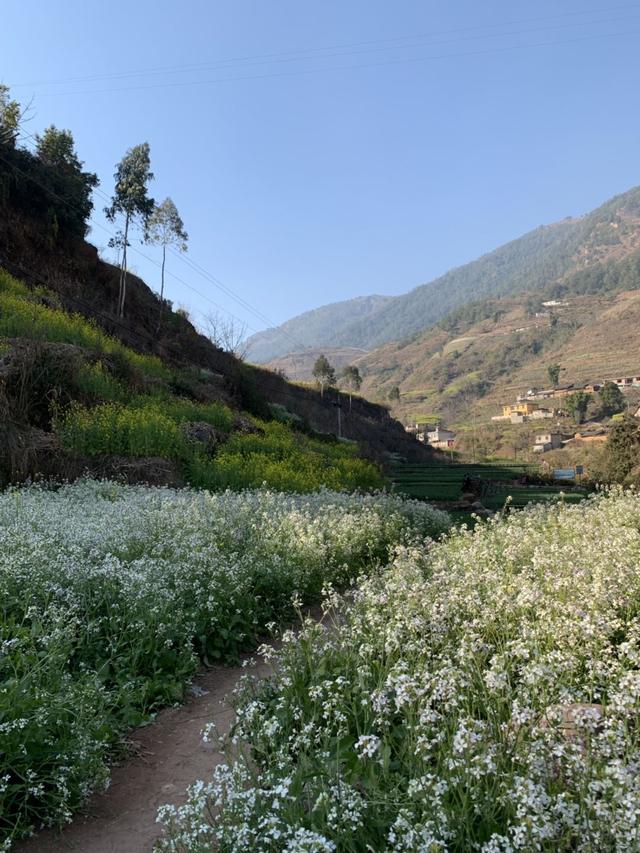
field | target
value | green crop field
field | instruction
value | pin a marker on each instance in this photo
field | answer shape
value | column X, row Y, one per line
column 445, row 483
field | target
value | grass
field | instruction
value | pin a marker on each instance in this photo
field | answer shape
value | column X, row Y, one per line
column 110, row 415
column 24, row 315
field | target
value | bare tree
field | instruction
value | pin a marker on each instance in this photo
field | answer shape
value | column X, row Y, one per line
column 12, row 117
column 227, row 334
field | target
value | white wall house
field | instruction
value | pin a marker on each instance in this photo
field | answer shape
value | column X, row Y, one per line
column 441, row 438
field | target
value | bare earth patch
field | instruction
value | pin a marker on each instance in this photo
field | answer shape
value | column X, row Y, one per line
column 171, row 755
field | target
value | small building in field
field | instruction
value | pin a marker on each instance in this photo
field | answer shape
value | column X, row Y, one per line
column 626, row 382
column 523, row 408
column 547, row 441
column 541, row 414
column 442, row 439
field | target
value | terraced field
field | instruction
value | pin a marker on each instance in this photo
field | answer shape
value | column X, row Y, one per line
column 445, row 483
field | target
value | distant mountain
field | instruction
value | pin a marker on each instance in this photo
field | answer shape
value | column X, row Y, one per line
column 575, row 255
column 320, row 327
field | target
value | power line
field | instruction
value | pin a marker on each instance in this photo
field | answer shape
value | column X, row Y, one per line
column 367, row 65
column 302, row 53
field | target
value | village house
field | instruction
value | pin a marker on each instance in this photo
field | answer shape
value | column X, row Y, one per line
column 626, row 382
column 565, row 391
column 414, row 429
column 522, row 408
column 547, row 441
column 547, row 393
column 442, row 439
column 541, row 414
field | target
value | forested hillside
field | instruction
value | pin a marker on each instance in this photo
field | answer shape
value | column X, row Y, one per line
column 592, row 254
column 321, row 327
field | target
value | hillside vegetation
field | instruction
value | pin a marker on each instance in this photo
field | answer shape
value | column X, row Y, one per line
column 319, row 327
column 596, row 253
column 482, row 357
column 72, row 398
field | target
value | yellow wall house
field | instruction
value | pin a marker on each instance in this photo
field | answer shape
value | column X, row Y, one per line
column 519, row 409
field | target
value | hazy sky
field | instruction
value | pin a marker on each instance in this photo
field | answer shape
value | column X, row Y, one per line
column 323, row 150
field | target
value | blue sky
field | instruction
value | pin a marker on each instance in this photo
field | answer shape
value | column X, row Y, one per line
column 323, row 150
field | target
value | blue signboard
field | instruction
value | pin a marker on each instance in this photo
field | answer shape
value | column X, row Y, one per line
column 564, row 473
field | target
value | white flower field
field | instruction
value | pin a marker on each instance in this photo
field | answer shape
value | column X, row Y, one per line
column 482, row 693
column 112, row 596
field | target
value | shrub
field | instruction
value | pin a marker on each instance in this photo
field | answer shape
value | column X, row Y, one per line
column 276, row 456
column 125, row 431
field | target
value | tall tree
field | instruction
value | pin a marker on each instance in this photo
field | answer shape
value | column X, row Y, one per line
column 577, row 404
column 56, row 149
column 394, row 394
column 130, row 200
column 323, row 373
column 622, row 452
column 166, row 228
column 553, row 372
column 351, row 380
column 612, row 400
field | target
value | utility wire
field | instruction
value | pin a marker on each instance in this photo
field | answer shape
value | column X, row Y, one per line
column 333, row 68
column 302, row 53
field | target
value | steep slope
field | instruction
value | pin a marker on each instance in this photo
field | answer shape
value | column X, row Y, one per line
column 573, row 255
column 471, row 368
column 64, row 274
column 321, row 327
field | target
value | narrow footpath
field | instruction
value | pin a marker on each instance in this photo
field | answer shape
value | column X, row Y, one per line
column 170, row 756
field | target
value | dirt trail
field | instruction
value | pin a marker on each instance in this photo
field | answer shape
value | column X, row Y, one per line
column 171, row 755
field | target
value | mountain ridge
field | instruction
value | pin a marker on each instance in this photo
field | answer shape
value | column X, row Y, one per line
column 539, row 260
column 327, row 321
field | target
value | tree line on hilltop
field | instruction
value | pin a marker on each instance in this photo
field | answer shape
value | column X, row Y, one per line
column 58, row 192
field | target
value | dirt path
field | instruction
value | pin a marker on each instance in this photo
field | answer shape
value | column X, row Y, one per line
column 171, row 755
